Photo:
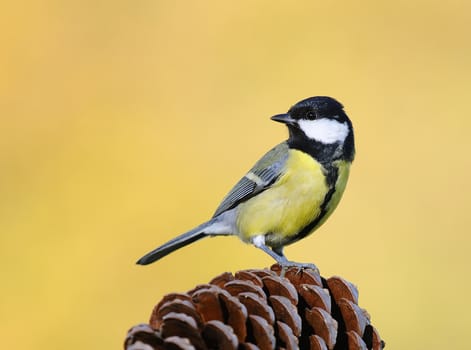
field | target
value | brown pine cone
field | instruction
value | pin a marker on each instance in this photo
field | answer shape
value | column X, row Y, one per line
column 258, row 309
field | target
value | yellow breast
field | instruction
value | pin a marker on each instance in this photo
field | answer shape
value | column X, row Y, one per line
column 289, row 205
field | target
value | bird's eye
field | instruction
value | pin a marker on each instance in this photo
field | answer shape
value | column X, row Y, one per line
column 311, row 115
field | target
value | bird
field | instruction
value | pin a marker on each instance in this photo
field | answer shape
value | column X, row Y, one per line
column 290, row 191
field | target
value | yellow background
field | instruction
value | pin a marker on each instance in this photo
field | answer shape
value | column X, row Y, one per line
column 124, row 123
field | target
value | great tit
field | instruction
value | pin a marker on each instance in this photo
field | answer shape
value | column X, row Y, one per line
column 290, row 191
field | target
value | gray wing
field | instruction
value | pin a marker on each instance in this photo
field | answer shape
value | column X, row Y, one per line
column 262, row 175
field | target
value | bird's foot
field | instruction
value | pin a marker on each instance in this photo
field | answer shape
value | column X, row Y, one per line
column 285, row 265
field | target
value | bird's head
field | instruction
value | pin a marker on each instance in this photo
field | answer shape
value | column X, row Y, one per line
column 318, row 118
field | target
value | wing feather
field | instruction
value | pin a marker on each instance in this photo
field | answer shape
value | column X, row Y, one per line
column 262, row 175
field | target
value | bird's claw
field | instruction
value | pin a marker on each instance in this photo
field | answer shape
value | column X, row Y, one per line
column 285, row 265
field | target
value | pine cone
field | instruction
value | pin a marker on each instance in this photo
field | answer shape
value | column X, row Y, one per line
column 258, row 309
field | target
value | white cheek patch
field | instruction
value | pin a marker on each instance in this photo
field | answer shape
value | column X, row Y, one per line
column 324, row 130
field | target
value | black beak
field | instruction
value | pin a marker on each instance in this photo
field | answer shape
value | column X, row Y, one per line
column 283, row 118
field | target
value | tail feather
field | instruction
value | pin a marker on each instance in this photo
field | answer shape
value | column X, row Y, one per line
column 175, row 243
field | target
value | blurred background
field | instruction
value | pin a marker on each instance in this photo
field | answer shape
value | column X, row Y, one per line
column 124, row 123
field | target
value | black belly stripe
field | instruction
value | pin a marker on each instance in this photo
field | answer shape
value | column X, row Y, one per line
column 311, row 226
column 331, row 179
column 332, row 175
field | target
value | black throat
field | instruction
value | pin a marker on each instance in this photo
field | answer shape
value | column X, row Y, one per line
column 325, row 154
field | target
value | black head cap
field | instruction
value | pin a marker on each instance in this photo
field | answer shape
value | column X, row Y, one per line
column 315, row 107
